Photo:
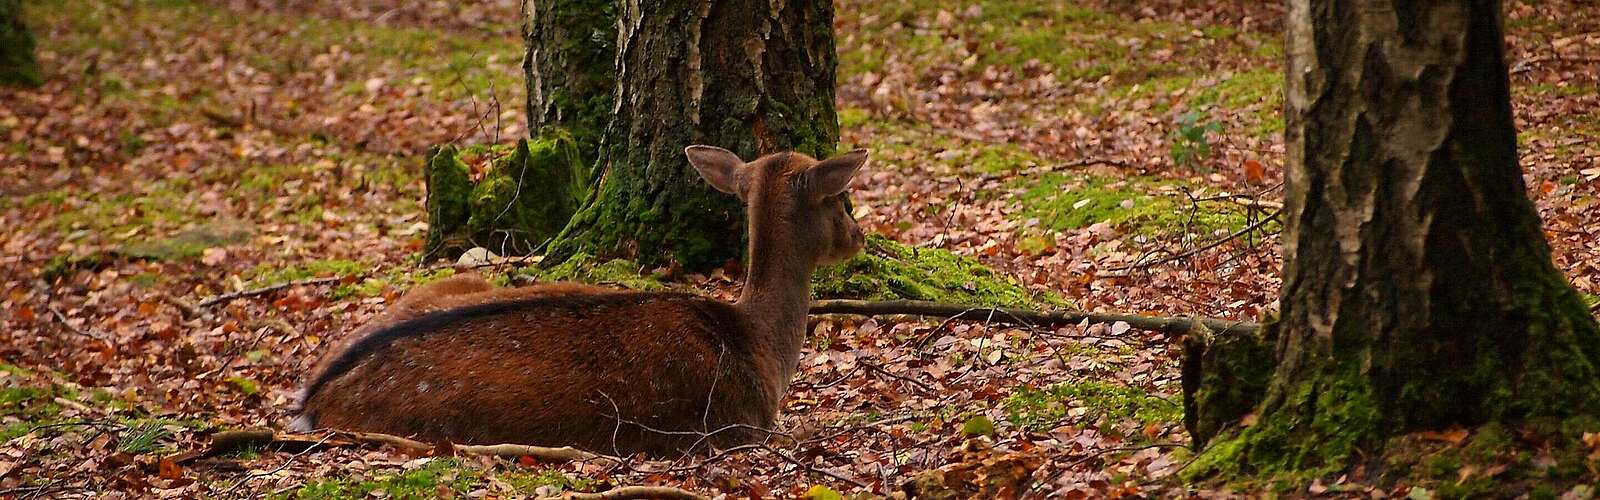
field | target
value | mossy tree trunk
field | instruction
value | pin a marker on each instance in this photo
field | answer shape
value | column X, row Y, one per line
column 568, row 66
column 751, row 76
column 1418, row 287
column 17, row 64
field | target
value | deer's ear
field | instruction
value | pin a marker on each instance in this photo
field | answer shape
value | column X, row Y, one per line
column 832, row 176
column 719, row 167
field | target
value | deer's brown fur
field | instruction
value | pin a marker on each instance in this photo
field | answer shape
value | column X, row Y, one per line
column 456, row 291
column 609, row 371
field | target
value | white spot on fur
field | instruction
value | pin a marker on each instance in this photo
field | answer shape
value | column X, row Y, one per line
column 302, row 423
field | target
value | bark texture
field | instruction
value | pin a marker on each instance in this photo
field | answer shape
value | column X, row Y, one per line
column 570, row 78
column 1418, row 288
column 750, row 76
column 17, row 64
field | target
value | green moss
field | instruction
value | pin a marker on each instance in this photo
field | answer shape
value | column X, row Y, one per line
column 64, row 265
column 1224, row 376
column 586, row 268
column 887, row 270
column 1140, row 205
column 853, row 117
column 449, row 195
column 527, row 195
column 1324, row 420
column 24, row 408
column 977, row 425
column 428, row 481
column 189, row 243
column 527, row 198
column 405, row 279
column 1107, row 404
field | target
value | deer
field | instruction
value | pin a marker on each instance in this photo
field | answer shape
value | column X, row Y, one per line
column 626, row 372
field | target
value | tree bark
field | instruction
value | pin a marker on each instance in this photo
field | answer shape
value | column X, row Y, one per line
column 750, row 76
column 17, row 64
column 1418, row 287
column 568, row 66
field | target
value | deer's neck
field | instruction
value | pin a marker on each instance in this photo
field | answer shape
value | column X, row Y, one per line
column 776, row 297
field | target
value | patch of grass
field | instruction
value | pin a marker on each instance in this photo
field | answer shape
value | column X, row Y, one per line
column 893, row 140
column 123, row 216
column 267, row 274
column 372, row 287
column 24, row 408
column 143, row 436
column 189, row 243
column 1555, row 90
column 456, row 63
column 527, row 482
column 1038, row 409
column 888, row 270
column 1255, row 95
column 428, row 481
column 1140, row 205
column 1077, row 42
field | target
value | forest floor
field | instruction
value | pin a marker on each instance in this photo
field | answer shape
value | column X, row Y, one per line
column 186, row 149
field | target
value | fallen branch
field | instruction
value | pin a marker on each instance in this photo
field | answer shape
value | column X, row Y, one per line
column 1014, row 316
column 225, row 119
column 626, row 492
column 1528, row 64
column 266, row 289
column 223, row 442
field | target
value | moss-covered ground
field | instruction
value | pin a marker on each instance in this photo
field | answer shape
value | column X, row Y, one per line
column 887, row 270
column 440, row 477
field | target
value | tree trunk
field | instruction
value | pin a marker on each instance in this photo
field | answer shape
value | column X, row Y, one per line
column 17, row 65
column 1418, row 287
column 750, row 76
column 569, row 67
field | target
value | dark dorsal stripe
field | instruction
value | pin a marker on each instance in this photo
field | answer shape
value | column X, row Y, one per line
column 438, row 320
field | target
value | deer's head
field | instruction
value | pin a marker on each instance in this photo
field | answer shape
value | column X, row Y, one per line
column 791, row 198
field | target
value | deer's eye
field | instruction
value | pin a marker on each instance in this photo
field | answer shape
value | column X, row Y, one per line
column 848, row 207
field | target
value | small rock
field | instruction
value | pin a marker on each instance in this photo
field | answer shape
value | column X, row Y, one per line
column 476, row 257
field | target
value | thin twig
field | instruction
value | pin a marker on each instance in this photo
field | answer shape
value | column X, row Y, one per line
column 1013, row 316
column 267, row 289
column 562, row 454
column 1528, row 64
column 808, row 468
column 282, row 466
column 1103, row 452
column 87, row 333
column 630, row 492
column 1236, row 234
column 877, row 368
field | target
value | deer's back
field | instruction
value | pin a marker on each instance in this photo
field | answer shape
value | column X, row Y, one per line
column 617, row 372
